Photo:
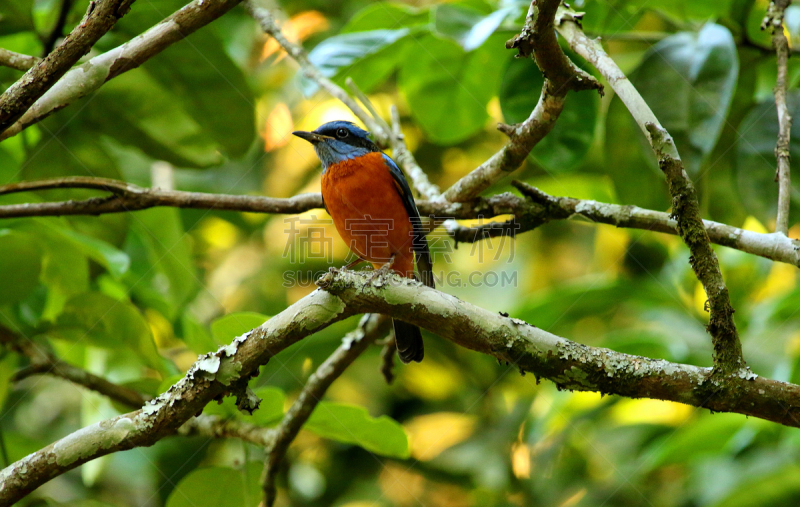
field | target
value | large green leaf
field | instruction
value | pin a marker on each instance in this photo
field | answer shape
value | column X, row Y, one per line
column 138, row 110
column 16, row 16
column 448, row 89
column 573, row 133
column 20, row 265
column 111, row 258
column 756, row 162
column 353, row 425
column 211, row 88
column 368, row 57
column 225, row 329
column 218, row 486
column 385, row 16
column 163, row 273
column 780, row 487
column 688, row 80
column 109, row 323
column 467, row 24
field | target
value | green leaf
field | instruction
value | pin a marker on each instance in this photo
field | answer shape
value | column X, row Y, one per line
column 220, row 487
column 447, row 89
column 780, row 486
column 16, row 16
column 688, row 80
column 385, row 16
column 337, row 57
column 637, row 180
column 137, row 110
column 225, row 329
column 114, row 260
column 353, row 425
column 468, row 25
column 211, row 88
column 573, row 133
column 163, row 273
column 108, row 323
column 271, row 408
column 705, row 436
column 8, row 367
column 20, row 265
column 196, row 336
column 756, row 162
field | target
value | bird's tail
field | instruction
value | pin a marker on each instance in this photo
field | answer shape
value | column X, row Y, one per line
column 409, row 341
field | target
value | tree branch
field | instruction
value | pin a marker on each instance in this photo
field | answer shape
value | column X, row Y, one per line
column 45, row 363
column 685, row 208
column 17, row 61
column 537, row 38
column 774, row 20
column 88, row 77
column 568, row 364
column 370, row 328
column 19, row 97
column 128, row 197
column 213, row 426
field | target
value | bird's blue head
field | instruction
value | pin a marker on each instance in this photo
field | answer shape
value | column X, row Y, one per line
column 337, row 141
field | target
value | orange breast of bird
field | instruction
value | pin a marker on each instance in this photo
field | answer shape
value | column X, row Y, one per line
column 368, row 212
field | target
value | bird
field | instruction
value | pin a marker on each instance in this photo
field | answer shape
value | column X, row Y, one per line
column 373, row 210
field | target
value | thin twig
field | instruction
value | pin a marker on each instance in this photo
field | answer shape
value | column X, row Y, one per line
column 129, row 197
column 217, row 427
column 369, row 329
column 774, row 20
column 19, row 97
column 44, row 363
column 58, row 29
column 17, row 60
column 387, row 360
column 88, row 77
column 403, row 156
column 362, row 97
column 685, row 208
column 267, row 22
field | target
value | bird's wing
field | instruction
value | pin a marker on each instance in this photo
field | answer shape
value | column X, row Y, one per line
column 421, row 251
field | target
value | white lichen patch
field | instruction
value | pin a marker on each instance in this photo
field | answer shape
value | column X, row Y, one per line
column 88, row 441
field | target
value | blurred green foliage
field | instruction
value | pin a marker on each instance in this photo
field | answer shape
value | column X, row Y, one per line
column 135, row 297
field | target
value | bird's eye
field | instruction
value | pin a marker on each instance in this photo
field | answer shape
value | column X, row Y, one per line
column 341, row 133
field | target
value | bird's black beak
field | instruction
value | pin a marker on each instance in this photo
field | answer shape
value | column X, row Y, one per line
column 311, row 137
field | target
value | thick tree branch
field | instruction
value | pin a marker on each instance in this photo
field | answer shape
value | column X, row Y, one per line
column 570, row 365
column 685, row 207
column 774, row 20
column 17, row 61
column 101, row 16
column 88, row 77
column 372, row 326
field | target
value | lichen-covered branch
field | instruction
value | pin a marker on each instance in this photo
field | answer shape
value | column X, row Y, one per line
column 99, row 18
column 88, row 77
column 17, row 61
column 345, row 293
column 370, row 329
column 685, row 207
column 774, row 20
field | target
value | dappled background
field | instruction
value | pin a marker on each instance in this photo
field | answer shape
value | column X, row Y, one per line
column 135, row 297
